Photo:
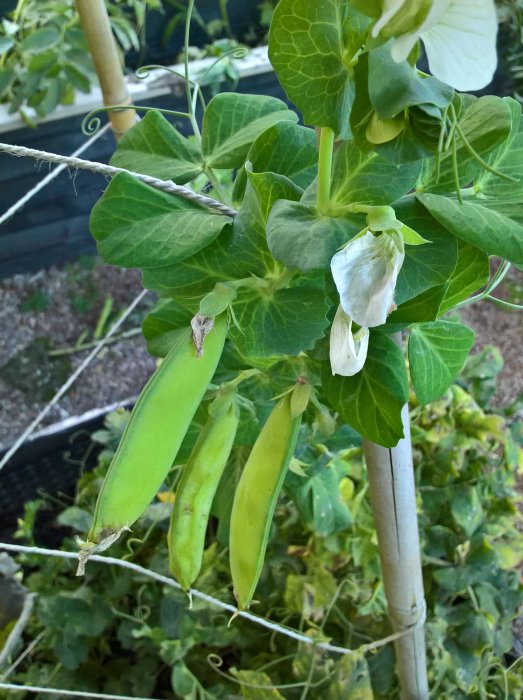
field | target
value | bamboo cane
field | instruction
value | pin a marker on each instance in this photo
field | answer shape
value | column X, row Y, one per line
column 97, row 29
column 393, row 496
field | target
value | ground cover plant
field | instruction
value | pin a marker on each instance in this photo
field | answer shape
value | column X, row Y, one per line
column 283, row 299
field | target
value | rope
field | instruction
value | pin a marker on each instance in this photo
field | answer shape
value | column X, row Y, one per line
column 74, row 376
column 109, row 170
column 49, row 178
column 273, row 626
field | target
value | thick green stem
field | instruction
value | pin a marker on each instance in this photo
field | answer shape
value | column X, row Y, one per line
column 325, row 169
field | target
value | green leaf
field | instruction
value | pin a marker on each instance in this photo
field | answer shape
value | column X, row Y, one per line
column 302, row 239
column 425, row 307
column 466, row 509
column 395, row 86
column 311, row 45
column 486, row 123
column 437, row 352
column 317, row 497
column 286, row 149
column 371, row 401
column 40, row 40
column 195, row 276
column 472, row 271
column 5, row 44
column 248, row 681
column 366, row 177
column 163, row 325
column 493, row 224
column 138, row 226
column 284, row 322
column 491, row 216
column 77, row 78
column 231, row 123
column 428, row 265
column 154, row 147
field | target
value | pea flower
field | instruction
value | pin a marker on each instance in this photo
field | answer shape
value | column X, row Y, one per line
column 459, row 37
column 348, row 350
column 365, row 272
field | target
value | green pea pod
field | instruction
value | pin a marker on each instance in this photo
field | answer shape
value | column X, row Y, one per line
column 256, row 496
column 158, row 424
column 198, row 484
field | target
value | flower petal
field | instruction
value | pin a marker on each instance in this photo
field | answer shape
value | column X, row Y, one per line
column 365, row 274
column 461, row 47
column 390, row 8
column 348, row 352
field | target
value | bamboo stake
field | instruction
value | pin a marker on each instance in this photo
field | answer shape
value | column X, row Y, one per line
column 102, row 46
column 393, row 496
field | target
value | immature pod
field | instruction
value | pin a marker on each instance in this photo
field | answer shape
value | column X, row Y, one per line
column 198, row 484
column 158, row 424
column 256, row 496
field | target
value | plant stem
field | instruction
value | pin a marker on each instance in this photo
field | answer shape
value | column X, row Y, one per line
column 325, row 169
column 393, row 497
column 60, row 352
column 190, row 105
column 216, row 185
column 102, row 46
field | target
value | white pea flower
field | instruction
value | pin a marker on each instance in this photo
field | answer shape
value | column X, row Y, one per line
column 459, row 37
column 365, row 272
column 348, row 350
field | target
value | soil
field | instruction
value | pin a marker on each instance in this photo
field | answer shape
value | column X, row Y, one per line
column 56, row 308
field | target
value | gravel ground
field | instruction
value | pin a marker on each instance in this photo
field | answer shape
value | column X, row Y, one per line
column 54, row 308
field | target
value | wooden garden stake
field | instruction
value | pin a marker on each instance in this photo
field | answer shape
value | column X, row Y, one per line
column 393, row 496
column 95, row 23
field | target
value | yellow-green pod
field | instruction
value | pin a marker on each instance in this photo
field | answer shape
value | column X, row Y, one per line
column 256, row 496
column 150, row 443
column 197, row 487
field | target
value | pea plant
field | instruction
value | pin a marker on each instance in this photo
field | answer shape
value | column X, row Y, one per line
column 44, row 59
column 291, row 291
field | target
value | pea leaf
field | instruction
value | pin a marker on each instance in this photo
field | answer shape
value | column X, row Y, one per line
column 162, row 326
column 195, row 276
column 366, row 177
column 425, row 307
column 492, row 224
column 284, row 322
column 486, row 123
column 302, row 239
column 310, row 47
column 371, row 401
column 137, row 226
column 317, row 497
column 286, row 149
column 231, row 123
column 41, row 39
column 395, row 86
column 428, row 265
column 437, row 352
column 466, row 509
column 491, row 216
column 472, row 271
column 154, row 147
